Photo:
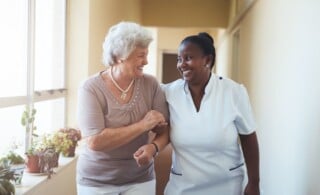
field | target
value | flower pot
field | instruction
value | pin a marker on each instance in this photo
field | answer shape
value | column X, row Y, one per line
column 71, row 150
column 32, row 164
column 17, row 170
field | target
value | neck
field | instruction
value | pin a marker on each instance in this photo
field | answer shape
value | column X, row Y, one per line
column 124, row 91
column 197, row 88
column 120, row 77
column 197, row 91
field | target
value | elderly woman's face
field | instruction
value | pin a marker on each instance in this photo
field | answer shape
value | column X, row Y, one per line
column 136, row 61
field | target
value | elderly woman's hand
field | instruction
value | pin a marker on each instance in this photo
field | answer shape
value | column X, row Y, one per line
column 152, row 119
column 144, row 154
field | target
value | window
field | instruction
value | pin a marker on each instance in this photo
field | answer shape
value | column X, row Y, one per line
column 32, row 66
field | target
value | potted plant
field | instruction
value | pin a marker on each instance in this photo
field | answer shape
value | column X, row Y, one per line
column 42, row 157
column 6, row 187
column 51, row 141
column 16, row 164
column 32, row 152
column 68, row 138
column 43, row 153
column 32, row 160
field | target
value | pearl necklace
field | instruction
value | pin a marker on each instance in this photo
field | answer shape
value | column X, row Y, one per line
column 123, row 91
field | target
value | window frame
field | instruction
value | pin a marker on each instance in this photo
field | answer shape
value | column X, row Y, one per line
column 33, row 96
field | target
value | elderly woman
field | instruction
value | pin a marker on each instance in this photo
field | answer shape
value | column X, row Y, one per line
column 117, row 108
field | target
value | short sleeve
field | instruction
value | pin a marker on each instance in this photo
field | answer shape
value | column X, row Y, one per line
column 158, row 99
column 160, row 103
column 244, row 121
column 89, row 113
column 155, row 95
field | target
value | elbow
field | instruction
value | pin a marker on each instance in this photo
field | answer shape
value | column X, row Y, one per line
column 94, row 147
column 93, row 144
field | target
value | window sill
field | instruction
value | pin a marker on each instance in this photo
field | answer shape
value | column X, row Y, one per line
column 31, row 182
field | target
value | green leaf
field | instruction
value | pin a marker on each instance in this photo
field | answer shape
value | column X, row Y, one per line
column 9, row 187
column 3, row 191
column 23, row 121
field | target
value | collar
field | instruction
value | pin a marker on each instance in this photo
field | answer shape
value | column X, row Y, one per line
column 208, row 87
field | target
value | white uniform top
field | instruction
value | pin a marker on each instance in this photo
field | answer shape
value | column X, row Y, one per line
column 207, row 158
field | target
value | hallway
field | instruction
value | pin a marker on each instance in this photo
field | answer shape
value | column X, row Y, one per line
column 276, row 56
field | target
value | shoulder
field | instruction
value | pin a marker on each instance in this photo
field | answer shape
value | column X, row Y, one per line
column 148, row 84
column 149, row 78
column 172, row 90
column 229, row 87
column 91, row 82
column 174, row 85
column 226, row 83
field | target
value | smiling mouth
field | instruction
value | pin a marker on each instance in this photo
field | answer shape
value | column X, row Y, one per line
column 186, row 72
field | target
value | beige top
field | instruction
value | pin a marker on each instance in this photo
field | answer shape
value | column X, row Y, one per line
column 99, row 109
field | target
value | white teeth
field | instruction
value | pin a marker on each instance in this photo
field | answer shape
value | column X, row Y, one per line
column 186, row 71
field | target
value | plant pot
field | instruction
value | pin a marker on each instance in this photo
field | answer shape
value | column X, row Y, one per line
column 70, row 152
column 17, row 170
column 32, row 164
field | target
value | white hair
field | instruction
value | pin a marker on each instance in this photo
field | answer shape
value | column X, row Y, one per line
column 122, row 39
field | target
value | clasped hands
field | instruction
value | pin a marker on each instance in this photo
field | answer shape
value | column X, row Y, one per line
column 152, row 120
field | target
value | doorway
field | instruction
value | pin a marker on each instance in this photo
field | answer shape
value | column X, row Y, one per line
column 169, row 68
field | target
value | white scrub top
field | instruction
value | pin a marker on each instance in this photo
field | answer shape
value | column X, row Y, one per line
column 207, row 158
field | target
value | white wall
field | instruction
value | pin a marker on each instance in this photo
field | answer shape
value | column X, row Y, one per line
column 280, row 62
column 77, row 50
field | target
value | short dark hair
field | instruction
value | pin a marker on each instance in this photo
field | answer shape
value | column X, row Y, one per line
column 205, row 42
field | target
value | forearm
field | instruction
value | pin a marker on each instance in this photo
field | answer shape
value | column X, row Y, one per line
column 250, row 149
column 147, row 152
column 112, row 138
column 162, row 138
